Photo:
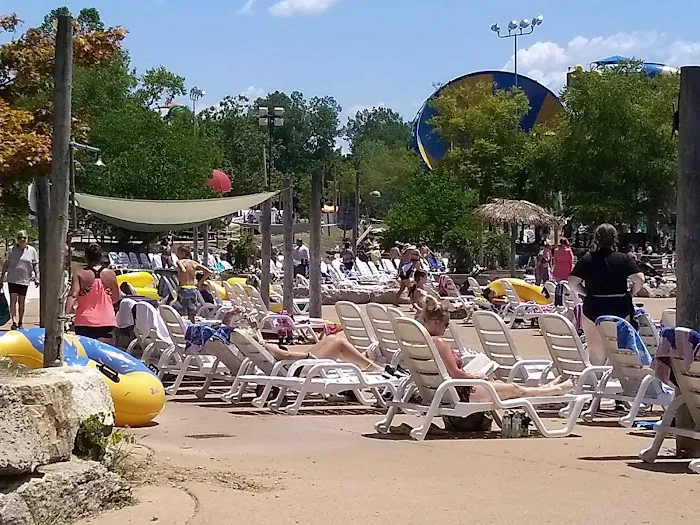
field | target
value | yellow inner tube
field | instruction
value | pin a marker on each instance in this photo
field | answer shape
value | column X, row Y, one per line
column 526, row 292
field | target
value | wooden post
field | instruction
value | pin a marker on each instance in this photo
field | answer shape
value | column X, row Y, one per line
column 42, row 215
column 205, row 229
column 356, row 229
column 60, row 189
column 315, row 301
column 688, row 227
column 513, row 248
column 266, row 235
column 288, row 220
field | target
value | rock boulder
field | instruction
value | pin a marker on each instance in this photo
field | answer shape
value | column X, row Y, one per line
column 38, row 424
column 62, row 492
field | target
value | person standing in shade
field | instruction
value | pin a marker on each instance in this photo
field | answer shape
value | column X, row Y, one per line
column 601, row 277
column 301, row 259
column 21, row 268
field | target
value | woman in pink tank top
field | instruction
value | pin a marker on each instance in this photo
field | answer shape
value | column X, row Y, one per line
column 94, row 291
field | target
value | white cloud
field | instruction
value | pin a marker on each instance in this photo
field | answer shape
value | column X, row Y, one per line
column 300, row 7
column 247, row 7
column 252, row 93
column 548, row 62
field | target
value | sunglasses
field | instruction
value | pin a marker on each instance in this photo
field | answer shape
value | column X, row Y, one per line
column 21, row 238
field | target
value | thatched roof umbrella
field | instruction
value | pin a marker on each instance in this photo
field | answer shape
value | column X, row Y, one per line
column 514, row 213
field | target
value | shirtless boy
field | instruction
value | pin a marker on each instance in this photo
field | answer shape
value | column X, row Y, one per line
column 187, row 294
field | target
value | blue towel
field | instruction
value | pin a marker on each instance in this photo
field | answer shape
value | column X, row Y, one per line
column 628, row 338
column 198, row 334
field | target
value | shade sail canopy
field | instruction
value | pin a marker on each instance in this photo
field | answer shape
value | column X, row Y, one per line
column 162, row 216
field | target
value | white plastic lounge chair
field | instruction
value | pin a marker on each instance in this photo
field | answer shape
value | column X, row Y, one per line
column 186, row 364
column 668, row 318
column 356, row 330
column 316, row 376
column 639, row 386
column 114, row 261
column 430, row 379
column 145, row 262
column 648, row 333
column 517, row 309
column 388, row 347
column 151, row 333
column 475, row 287
column 134, row 262
column 497, row 343
column 688, row 384
column 156, row 262
column 270, row 322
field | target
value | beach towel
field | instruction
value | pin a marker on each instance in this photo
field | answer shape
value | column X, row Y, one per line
column 198, row 334
column 676, row 343
column 628, row 338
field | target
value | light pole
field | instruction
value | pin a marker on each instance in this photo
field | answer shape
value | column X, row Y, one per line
column 268, row 118
column 99, row 163
column 195, row 95
column 515, row 30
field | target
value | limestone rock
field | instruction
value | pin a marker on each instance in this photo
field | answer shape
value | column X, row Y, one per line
column 61, row 492
column 664, row 290
column 90, row 393
column 38, row 424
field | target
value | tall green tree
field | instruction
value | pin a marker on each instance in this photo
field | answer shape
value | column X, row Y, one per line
column 379, row 124
column 618, row 158
column 482, row 126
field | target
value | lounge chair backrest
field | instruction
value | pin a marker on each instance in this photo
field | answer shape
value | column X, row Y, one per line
column 354, row 326
column 570, row 300
column 231, row 294
column 627, row 365
column 145, row 261
column 134, row 261
column 496, row 341
column 648, row 333
column 422, row 360
column 362, row 268
column 373, row 268
column 475, row 287
column 511, row 295
column 113, row 258
column 452, row 339
column 388, row 266
column 124, row 261
column 381, row 324
column 668, row 318
column 253, row 350
column 551, row 289
column 156, row 262
column 564, row 345
column 256, row 298
column 688, row 382
column 243, row 296
column 176, row 327
column 394, row 313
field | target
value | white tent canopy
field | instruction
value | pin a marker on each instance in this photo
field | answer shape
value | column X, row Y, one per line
column 161, row 216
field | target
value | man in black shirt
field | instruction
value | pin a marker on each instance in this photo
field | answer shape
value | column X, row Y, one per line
column 601, row 276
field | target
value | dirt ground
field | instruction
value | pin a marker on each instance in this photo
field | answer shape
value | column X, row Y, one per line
column 215, row 463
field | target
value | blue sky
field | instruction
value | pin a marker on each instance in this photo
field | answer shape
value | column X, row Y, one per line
column 371, row 52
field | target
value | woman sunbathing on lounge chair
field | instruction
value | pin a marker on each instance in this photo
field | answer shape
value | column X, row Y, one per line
column 435, row 319
column 330, row 347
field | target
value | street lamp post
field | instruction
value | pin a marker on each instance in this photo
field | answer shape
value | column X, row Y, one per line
column 195, row 95
column 269, row 118
column 517, row 29
column 99, row 163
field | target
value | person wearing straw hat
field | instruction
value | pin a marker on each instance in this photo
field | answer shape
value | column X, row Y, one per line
column 21, row 267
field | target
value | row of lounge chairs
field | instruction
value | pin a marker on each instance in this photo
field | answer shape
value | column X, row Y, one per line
column 387, row 336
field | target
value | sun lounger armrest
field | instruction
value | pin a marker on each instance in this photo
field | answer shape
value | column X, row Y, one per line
column 522, row 365
column 591, row 372
column 293, row 366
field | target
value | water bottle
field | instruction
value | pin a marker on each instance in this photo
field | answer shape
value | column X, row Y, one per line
column 526, row 426
column 507, row 425
column 516, row 425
